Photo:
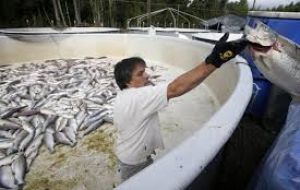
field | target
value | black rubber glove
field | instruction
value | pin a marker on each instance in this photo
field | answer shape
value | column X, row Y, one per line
column 224, row 51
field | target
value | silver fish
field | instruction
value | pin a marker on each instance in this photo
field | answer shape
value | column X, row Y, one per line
column 39, row 130
column 4, row 65
column 31, row 157
column 3, row 103
column 6, row 144
column 17, row 141
column 80, row 117
column 15, row 133
column 27, row 126
column 49, row 121
column 97, row 112
column 42, row 101
column 34, row 145
column 70, row 133
column 61, row 138
column 49, row 139
column 37, row 120
column 18, row 167
column 47, row 111
column 73, row 124
column 6, row 134
column 109, row 119
column 92, row 127
column 277, row 57
column 61, row 124
column 7, row 159
column 94, row 119
column 6, row 125
column 2, row 154
column 7, row 179
column 9, row 112
column 26, row 141
column 27, row 112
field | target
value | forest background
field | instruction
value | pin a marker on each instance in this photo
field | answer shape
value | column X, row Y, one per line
column 114, row 13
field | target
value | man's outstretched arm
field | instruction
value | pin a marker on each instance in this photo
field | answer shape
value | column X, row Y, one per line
column 222, row 52
column 189, row 80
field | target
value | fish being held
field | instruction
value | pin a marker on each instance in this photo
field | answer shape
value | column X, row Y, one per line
column 277, row 57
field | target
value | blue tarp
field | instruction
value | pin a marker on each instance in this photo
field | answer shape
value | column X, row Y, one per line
column 281, row 167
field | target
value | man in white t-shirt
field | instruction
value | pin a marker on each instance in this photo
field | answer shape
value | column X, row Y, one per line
column 137, row 104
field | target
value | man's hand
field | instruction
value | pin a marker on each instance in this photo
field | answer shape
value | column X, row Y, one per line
column 224, row 51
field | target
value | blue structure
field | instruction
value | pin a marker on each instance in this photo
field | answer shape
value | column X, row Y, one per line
column 286, row 24
column 261, row 89
column 280, row 169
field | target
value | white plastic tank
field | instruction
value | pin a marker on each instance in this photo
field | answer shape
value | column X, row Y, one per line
column 203, row 119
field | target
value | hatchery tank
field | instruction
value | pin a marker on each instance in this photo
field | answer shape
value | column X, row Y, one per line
column 195, row 126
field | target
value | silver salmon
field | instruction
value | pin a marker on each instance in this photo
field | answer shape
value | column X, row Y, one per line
column 277, row 57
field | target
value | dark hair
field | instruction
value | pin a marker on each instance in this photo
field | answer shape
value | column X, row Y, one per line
column 124, row 69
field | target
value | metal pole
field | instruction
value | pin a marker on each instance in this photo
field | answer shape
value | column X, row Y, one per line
column 68, row 14
column 148, row 11
column 253, row 5
column 110, row 13
column 177, row 16
column 174, row 18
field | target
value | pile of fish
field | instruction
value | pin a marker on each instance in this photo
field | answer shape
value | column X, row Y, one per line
column 277, row 57
column 53, row 102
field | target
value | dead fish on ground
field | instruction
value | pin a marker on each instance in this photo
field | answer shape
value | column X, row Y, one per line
column 7, row 179
column 53, row 103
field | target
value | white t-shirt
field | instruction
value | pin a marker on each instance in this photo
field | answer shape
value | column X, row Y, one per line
column 137, row 121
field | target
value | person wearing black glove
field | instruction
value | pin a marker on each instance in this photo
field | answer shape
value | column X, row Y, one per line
column 137, row 104
column 224, row 51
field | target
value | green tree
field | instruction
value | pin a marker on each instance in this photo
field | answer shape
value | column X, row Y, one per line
column 240, row 7
column 208, row 8
column 127, row 10
column 288, row 8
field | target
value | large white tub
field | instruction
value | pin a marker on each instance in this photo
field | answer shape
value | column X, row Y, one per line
column 231, row 86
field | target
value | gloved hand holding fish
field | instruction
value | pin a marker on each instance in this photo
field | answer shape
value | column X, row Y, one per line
column 224, row 51
column 277, row 57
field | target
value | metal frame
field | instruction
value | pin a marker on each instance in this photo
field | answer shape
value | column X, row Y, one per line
column 181, row 14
